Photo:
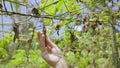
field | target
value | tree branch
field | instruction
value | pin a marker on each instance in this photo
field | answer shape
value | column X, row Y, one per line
column 41, row 16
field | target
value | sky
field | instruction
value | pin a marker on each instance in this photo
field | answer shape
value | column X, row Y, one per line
column 7, row 19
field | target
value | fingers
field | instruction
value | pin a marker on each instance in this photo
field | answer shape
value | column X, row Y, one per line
column 55, row 49
column 41, row 38
column 39, row 35
column 49, row 42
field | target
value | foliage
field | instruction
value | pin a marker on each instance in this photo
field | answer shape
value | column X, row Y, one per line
column 91, row 46
column 21, row 60
column 3, row 43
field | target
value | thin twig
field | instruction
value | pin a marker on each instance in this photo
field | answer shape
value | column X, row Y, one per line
column 45, row 3
column 5, row 6
column 66, row 6
column 50, row 4
column 41, row 16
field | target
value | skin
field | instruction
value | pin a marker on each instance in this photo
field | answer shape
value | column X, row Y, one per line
column 50, row 52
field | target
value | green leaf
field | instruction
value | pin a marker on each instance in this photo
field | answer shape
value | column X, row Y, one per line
column 59, row 5
column 84, row 53
column 5, row 41
column 118, row 4
column 3, row 53
column 47, row 21
column 70, row 56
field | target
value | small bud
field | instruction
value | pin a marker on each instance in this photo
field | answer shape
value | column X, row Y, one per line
column 35, row 11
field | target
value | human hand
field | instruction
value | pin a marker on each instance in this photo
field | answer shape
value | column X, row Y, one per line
column 50, row 52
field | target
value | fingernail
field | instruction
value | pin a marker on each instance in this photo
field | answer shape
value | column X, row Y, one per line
column 43, row 35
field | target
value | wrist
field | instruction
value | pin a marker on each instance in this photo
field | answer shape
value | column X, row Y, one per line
column 61, row 64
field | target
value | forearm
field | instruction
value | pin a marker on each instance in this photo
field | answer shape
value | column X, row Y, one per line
column 61, row 64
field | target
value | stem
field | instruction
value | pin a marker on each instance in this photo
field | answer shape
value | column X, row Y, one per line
column 115, row 53
column 44, row 31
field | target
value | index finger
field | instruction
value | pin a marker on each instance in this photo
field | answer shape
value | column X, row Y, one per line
column 41, row 39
